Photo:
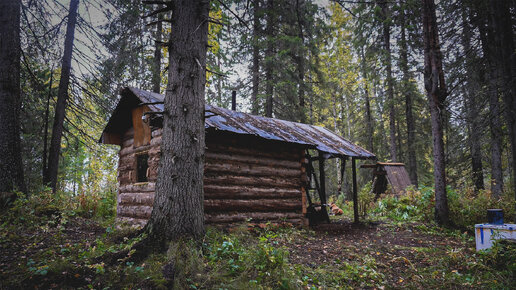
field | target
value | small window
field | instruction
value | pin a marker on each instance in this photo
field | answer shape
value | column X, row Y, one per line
column 142, row 165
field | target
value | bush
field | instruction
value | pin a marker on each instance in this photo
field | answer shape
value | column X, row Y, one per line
column 413, row 205
column 468, row 208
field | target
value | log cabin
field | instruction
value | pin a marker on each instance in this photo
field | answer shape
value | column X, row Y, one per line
column 256, row 168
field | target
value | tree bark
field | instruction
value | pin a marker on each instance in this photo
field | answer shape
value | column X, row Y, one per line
column 390, row 81
column 178, row 205
column 255, row 70
column 11, row 166
column 45, row 128
column 369, row 118
column 488, row 38
column 506, row 62
column 156, row 74
column 436, row 93
column 300, row 59
column 407, row 90
column 471, row 105
column 269, row 59
column 62, row 98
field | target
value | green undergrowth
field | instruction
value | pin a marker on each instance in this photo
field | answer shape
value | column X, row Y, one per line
column 47, row 243
column 466, row 207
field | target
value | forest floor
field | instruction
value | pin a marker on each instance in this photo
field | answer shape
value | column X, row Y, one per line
column 379, row 255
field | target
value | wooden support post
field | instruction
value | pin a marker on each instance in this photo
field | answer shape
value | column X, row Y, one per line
column 322, row 184
column 342, row 170
column 355, row 190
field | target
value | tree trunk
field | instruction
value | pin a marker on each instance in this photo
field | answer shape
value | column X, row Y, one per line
column 369, row 118
column 390, row 81
column 269, row 59
column 178, row 205
column 156, row 74
column 11, row 166
column 471, row 105
column 507, row 66
column 45, row 127
column 407, row 90
column 488, row 37
column 300, row 59
column 436, row 92
column 62, row 98
column 255, row 70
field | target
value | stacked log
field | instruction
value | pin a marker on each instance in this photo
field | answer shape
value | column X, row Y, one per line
column 245, row 178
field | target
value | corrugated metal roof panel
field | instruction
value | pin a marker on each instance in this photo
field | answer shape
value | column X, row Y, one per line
column 269, row 128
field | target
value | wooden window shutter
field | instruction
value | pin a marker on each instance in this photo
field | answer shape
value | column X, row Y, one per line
column 142, row 130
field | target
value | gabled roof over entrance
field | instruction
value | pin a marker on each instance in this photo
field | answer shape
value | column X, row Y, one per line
column 312, row 136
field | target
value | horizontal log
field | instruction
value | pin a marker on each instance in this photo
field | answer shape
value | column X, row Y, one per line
column 132, row 221
column 128, row 142
column 134, row 211
column 210, row 179
column 156, row 132
column 254, row 216
column 245, row 192
column 138, row 187
column 274, row 154
column 156, row 140
column 251, row 170
column 136, row 198
column 128, row 150
column 213, row 205
column 213, row 157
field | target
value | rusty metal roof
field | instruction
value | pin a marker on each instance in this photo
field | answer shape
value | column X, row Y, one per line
column 269, row 128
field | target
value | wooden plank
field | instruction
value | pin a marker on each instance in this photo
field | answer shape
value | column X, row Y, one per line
column 390, row 164
column 322, row 183
column 398, row 178
column 142, row 130
column 355, row 191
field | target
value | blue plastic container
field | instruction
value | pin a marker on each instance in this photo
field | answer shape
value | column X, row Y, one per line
column 495, row 216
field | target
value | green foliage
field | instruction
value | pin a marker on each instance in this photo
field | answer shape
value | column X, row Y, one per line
column 468, row 208
column 246, row 262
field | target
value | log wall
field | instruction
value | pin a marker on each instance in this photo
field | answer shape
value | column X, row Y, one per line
column 245, row 178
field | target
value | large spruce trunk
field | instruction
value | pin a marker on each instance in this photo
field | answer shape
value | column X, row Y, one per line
column 178, row 205
column 62, row 99
column 368, row 116
column 407, row 90
column 255, row 69
column 390, row 81
column 487, row 37
column 156, row 73
column 269, row 59
column 11, row 168
column 473, row 115
column 503, row 26
column 436, row 93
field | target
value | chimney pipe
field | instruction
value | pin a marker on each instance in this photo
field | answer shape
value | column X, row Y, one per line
column 233, row 100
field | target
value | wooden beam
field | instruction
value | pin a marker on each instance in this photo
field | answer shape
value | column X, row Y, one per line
column 355, row 190
column 342, row 171
column 322, row 183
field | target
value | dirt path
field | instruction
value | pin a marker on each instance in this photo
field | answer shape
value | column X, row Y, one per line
column 399, row 252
